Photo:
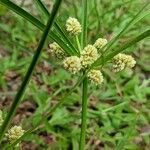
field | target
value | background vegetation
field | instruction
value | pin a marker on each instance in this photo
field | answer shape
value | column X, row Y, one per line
column 118, row 110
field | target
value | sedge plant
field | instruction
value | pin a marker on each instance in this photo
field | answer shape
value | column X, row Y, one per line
column 83, row 59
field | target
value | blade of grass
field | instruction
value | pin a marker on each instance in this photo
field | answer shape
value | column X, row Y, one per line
column 56, row 25
column 133, row 41
column 10, row 5
column 29, row 71
column 84, row 114
column 85, row 81
column 48, row 114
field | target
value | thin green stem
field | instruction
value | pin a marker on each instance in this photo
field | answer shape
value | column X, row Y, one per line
column 78, row 44
column 29, row 71
column 84, row 114
column 85, row 81
column 84, row 24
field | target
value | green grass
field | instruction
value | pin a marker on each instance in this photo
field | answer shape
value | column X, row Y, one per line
column 116, row 108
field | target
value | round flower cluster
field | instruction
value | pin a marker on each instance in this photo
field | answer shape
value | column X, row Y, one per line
column 56, row 50
column 73, row 26
column 14, row 133
column 100, row 43
column 88, row 55
column 122, row 61
column 1, row 118
column 72, row 64
column 95, row 76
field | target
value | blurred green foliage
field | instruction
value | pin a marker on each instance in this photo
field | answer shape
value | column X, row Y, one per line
column 118, row 111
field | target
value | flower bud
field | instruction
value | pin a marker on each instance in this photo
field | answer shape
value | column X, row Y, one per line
column 88, row 55
column 95, row 76
column 73, row 26
column 100, row 43
column 14, row 133
column 72, row 64
column 56, row 50
column 122, row 61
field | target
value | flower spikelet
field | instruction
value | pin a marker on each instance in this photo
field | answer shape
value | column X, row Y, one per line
column 72, row 64
column 99, row 43
column 130, row 61
column 56, row 50
column 95, row 76
column 88, row 55
column 1, row 118
column 73, row 26
column 122, row 61
column 14, row 133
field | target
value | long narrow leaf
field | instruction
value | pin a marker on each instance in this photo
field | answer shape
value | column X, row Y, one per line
column 36, row 23
column 30, row 70
column 56, row 26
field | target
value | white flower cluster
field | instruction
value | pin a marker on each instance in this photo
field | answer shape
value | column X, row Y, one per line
column 14, row 133
column 100, row 43
column 56, row 50
column 95, row 76
column 122, row 61
column 72, row 64
column 89, row 55
column 1, row 118
column 73, row 26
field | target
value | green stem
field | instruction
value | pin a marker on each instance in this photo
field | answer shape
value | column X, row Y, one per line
column 30, row 71
column 84, row 114
column 84, row 24
column 78, row 44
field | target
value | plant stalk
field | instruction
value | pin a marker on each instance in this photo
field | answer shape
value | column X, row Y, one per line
column 29, row 72
column 84, row 114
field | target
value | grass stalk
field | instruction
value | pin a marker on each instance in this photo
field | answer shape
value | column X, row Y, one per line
column 84, row 114
column 85, row 81
column 78, row 44
column 29, row 71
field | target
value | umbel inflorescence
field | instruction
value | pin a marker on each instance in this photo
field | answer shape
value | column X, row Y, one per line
column 88, row 55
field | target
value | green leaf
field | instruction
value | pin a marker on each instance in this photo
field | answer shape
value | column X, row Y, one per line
column 30, row 70
column 37, row 23
column 57, row 27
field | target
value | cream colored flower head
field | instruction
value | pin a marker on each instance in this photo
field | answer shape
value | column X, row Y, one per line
column 89, row 55
column 14, row 133
column 56, row 50
column 95, row 76
column 130, row 61
column 1, row 118
column 122, row 61
column 100, row 43
column 73, row 26
column 72, row 64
